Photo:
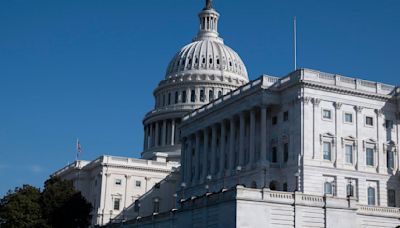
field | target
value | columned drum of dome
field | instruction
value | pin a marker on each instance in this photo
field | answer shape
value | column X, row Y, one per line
column 199, row 73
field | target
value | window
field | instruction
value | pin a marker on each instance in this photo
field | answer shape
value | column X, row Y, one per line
column 183, row 96
column 285, row 187
column 371, row 196
column 327, row 150
column 369, row 121
column 217, row 61
column 274, row 158
column 118, row 181
column 117, row 203
column 274, row 120
column 389, row 124
column 204, row 60
column 192, row 96
column 328, row 190
column 350, row 190
column 202, row 97
column 286, row 116
column 210, row 61
column 390, row 159
column 285, row 152
column 138, row 183
column 211, row 95
column 349, row 154
column 391, row 198
column 370, row 156
column 348, row 118
column 326, row 114
column 176, row 97
column 219, row 94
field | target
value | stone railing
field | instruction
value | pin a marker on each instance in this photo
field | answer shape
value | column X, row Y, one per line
column 225, row 97
column 125, row 161
column 379, row 211
column 347, row 82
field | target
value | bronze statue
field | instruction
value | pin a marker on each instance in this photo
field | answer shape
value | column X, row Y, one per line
column 209, row 4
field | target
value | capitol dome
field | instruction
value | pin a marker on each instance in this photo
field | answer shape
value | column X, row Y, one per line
column 207, row 53
column 202, row 71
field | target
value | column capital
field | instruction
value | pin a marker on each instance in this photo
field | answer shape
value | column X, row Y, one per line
column 315, row 101
column 379, row 112
column 358, row 108
column 337, row 105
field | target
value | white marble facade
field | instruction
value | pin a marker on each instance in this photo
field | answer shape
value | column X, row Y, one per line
column 315, row 132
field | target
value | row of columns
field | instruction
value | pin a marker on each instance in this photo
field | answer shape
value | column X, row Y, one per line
column 169, row 98
column 160, row 133
column 218, row 149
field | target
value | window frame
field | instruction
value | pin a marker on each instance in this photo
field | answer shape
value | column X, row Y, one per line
column 365, row 121
column 330, row 114
column 330, row 150
column 392, row 164
column 285, row 116
column 372, row 150
column 346, row 154
column 330, row 188
column 117, row 201
column 391, row 203
column 274, row 154
column 136, row 184
column 371, row 199
column 118, row 182
column 345, row 120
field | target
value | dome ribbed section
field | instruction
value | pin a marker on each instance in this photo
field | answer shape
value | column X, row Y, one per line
column 207, row 56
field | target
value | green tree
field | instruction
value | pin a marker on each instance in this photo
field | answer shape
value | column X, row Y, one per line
column 62, row 206
column 21, row 208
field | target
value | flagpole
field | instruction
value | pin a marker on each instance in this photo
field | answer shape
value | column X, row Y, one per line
column 295, row 43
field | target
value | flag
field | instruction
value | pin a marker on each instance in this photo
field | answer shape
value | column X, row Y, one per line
column 78, row 148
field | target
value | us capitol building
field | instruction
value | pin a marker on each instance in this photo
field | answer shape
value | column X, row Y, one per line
column 310, row 149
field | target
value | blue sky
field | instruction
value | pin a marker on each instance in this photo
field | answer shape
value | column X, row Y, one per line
column 87, row 68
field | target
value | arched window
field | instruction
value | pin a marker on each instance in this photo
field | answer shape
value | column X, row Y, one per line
column 371, row 196
column 219, row 94
column 273, row 185
column 285, row 187
column 183, row 96
column 328, row 188
column 192, row 96
column 350, row 190
column 176, row 97
column 211, row 95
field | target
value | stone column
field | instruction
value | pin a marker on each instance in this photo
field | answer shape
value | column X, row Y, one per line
column 316, row 118
column 145, row 138
column 157, row 135
column 151, row 136
column 380, row 132
column 164, row 133
column 338, row 160
column 263, row 134
column 241, row 138
column 252, row 149
column 359, row 161
column 205, row 155
column 173, row 132
column 213, row 148
column 222, row 150
column 189, row 161
column 232, row 144
column 197, row 157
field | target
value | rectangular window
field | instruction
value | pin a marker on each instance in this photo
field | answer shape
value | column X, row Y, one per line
column 350, row 190
column 348, row 118
column 274, row 120
column 326, row 114
column 176, row 97
column 369, row 121
column 327, row 150
column 285, row 152
column 202, row 98
column 390, row 159
column 371, row 196
column 349, row 154
column 192, row 96
column 389, row 124
column 183, row 96
column 117, row 203
column 118, row 181
column 370, row 156
column 274, row 157
column 138, row 183
column 328, row 189
column 286, row 116
column 391, row 198
column 211, row 95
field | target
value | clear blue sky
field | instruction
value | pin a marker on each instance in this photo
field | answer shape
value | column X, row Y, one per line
column 87, row 68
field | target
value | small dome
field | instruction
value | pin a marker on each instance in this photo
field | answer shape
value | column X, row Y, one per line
column 206, row 56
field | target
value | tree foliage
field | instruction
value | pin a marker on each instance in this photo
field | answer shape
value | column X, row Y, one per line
column 58, row 205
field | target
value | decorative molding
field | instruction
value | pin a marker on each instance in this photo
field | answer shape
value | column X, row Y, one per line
column 358, row 109
column 337, row 105
column 316, row 101
column 379, row 112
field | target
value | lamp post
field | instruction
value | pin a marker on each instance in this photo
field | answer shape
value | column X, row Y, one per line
column 207, row 186
column 183, row 186
column 238, row 169
column 175, row 196
column 296, row 175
